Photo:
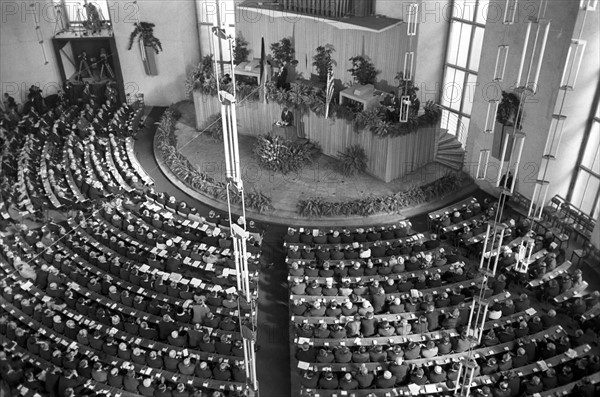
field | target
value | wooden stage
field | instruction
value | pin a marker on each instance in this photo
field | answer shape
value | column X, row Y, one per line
column 389, row 158
column 319, row 179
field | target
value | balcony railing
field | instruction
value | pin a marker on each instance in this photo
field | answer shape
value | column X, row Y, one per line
column 329, row 8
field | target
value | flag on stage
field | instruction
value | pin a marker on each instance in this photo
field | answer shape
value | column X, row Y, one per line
column 263, row 70
column 329, row 91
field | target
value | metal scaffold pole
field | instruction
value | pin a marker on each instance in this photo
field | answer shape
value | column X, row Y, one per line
column 239, row 234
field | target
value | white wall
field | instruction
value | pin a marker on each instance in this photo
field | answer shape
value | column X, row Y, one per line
column 177, row 30
column 577, row 106
column 21, row 57
column 539, row 108
column 22, row 63
column 434, row 20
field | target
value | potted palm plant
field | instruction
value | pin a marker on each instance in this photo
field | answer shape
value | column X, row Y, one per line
column 149, row 45
column 323, row 61
column 240, row 50
column 363, row 70
column 283, row 51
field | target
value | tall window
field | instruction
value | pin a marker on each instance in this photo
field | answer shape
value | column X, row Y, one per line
column 586, row 190
column 465, row 40
column 74, row 12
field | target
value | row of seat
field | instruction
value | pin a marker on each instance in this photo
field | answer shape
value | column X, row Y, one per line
column 447, row 389
column 66, row 163
column 313, row 272
column 62, row 339
column 112, row 306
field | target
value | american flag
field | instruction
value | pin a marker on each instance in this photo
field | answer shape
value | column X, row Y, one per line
column 329, row 92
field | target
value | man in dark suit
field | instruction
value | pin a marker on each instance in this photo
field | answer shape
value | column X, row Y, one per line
column 392, row 104
column 282, row 76
column 87, row 95
column 287, row 117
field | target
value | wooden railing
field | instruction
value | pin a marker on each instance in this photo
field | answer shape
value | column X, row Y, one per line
column 329, row 8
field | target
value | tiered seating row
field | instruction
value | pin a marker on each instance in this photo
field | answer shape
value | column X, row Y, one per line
column 12, row 347
column 478, row 381
column 402, row 339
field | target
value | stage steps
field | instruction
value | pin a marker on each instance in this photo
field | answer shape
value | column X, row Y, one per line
column 449, row 151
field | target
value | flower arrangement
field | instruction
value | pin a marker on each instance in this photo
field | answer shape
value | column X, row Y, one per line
column 508, row 109
column 278, row 154
column 195, row 179
column 213, row 126
column 315, row 207
column 202, row 77
column 353, row 160
column 144, row 31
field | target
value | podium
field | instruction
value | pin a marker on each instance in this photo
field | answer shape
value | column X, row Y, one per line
column 288, row 132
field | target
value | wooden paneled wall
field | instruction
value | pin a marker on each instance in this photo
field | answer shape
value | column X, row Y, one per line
column 330, row 8
column 389, row 158
column 386, row 49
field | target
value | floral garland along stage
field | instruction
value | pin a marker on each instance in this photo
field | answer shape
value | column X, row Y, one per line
column 316, row 207
column 186, row 172
column 312, row 207
column 305, row 98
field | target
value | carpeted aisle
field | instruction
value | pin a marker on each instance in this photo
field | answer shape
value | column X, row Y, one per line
column 273, row 359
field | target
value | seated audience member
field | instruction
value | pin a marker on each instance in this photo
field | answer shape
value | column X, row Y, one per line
column 549, row 379
column 489, row 367
column 438, row 375
column 549, row 319
column 385, row 380
column 399, row 369
column 532, row 386
column 328, row 381
column 521, row 358
column 376, row 354
column 462, row 343
column 565, row 375
column 361, row 355
column 418, row 377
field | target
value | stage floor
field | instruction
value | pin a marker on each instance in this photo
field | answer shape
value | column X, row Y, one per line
column 322, row 178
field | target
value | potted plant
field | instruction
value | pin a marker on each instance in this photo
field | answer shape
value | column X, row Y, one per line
column 240, row 49
column 283, row 51
column 363, row 70
column 323, row 61
column 353, row 160
column 202, row 78
column 149, row 45
column 508, row 109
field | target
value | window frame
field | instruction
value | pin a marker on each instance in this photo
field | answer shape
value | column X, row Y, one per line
column 583, row 169
column 474, row 24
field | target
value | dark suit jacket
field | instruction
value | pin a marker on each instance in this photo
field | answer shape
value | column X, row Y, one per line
column 287, row 117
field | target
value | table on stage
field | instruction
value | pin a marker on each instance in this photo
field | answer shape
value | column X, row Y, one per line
column 251, row 69
column 287, row 131
column 365, row 94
